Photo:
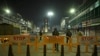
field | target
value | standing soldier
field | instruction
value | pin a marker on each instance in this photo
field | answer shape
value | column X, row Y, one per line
column 40, row 34
column 68, row 35
column 79, row 33
column 55, row 33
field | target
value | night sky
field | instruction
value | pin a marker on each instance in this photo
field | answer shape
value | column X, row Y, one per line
column 36, row 10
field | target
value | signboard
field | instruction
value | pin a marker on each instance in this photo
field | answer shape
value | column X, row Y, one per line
column 88, row 39
column 4, row 39
column 54, row 39
column 20, row 38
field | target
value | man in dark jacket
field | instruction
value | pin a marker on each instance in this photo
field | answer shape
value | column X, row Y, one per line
column 40, row 33
column 55, row 33
column 68, row 35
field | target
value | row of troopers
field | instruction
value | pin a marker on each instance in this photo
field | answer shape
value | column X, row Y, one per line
column 56, row 33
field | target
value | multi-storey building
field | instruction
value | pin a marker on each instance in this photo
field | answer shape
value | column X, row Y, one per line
column 87, row 18
column 14, row 24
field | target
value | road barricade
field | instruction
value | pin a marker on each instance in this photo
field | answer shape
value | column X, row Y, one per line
column 88, row 39
column 53, row 39
column 20, row 39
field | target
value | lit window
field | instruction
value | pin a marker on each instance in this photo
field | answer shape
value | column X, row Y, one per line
column 97, row 4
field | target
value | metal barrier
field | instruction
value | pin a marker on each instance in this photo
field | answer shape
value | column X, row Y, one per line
column 28, row 50
column 46, row 40
column 10, row 52
column 78, row 50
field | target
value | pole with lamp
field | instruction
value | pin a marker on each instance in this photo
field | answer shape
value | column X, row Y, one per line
column 10, row 53
column 72, row 11
column 49, row 14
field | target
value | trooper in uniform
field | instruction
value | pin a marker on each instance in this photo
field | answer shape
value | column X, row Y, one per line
column 55, row 33
column 40, row 33
column 68, row 35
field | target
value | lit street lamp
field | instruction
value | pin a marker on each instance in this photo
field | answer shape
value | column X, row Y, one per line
column 72, row 10
column 7, row 11
column 50, row 13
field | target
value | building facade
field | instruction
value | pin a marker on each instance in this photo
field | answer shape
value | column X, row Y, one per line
column 87, row 18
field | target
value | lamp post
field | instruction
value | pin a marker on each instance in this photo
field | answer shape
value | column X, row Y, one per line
column 71, row 11
column 49, row 14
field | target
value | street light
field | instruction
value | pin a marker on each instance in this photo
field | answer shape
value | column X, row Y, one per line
column 50, row 13
column 72, row 10
column 7, row 11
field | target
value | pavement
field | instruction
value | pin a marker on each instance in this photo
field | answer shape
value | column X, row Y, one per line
column 49, row 52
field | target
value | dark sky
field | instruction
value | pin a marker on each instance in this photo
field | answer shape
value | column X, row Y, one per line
column 36, row 10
